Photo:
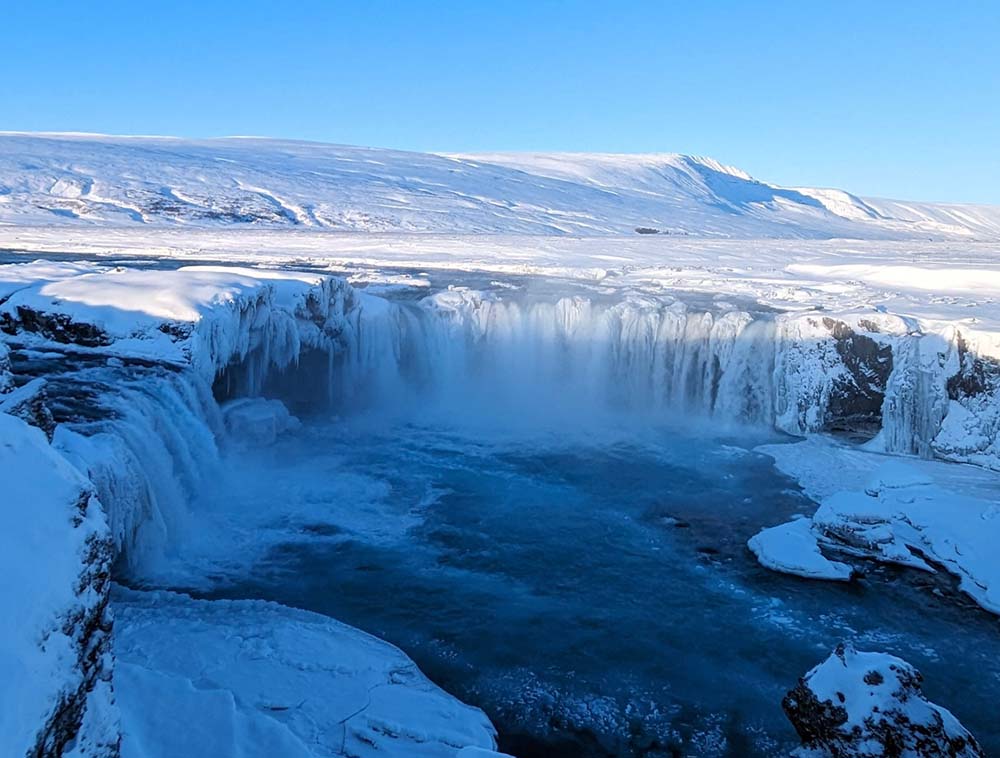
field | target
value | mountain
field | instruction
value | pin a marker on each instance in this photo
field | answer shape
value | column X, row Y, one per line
column 70, row 179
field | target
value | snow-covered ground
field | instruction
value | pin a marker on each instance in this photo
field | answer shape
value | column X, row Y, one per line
column 801, row 309
column 203, row 679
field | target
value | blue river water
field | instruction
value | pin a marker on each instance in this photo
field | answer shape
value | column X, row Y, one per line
column 591, row 591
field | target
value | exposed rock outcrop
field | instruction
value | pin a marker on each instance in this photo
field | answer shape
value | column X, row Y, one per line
column 870, row 705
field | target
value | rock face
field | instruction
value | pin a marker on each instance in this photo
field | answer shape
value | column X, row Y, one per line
column 870, row 705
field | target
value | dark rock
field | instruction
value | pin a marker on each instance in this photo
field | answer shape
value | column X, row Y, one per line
column 58, row 327
column 976, row 375
column 857, row 397
column 30, row 404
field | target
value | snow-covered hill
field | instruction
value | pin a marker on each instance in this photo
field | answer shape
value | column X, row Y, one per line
column 67, row 179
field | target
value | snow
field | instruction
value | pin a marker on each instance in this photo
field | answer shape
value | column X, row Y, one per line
column 74, row 180
column 208, row 678
column 792, row 548
column 202, row 315
column 870, row 705
column 553, row 303
column 917, row 513
column 52, row 522
column 845, row 675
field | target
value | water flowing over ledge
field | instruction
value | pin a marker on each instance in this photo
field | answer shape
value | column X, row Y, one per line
column 131, row 356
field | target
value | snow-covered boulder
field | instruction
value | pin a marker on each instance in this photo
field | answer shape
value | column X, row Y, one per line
column 55, row 556
column 870, row 705
column 201, row 679
column 257, row 421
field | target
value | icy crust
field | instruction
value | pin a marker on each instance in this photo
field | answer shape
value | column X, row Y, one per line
column 55, row 556
column 209, row 678
column 923, row 514
column 870, row 705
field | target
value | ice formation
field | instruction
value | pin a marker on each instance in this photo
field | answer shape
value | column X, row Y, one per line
column 55, row 636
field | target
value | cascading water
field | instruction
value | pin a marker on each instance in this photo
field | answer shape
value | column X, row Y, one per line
column 644, row 354
column 481, row 353
column 152, row 446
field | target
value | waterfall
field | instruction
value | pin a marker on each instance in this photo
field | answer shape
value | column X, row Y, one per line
column 151, row 448
column 916, row 399
column 149, row 436
column 642, row 354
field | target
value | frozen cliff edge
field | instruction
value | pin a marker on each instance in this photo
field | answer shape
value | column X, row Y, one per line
column 129, row 358
column 259, row 679
column 56, row 696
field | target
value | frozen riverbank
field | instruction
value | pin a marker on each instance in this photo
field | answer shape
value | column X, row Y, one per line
column 923, row 514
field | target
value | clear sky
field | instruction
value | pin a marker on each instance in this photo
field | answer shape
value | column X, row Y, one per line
column 884, row 98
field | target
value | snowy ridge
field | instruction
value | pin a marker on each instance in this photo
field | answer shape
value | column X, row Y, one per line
column 72, row 179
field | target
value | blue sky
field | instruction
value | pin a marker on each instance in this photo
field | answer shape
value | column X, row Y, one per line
column 882, row 98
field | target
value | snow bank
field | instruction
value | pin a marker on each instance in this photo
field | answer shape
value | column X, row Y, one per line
column 55, row 558
column 209, row 678
column 870, row 705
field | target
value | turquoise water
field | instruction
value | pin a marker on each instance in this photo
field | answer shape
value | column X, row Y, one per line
column 592, row 591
